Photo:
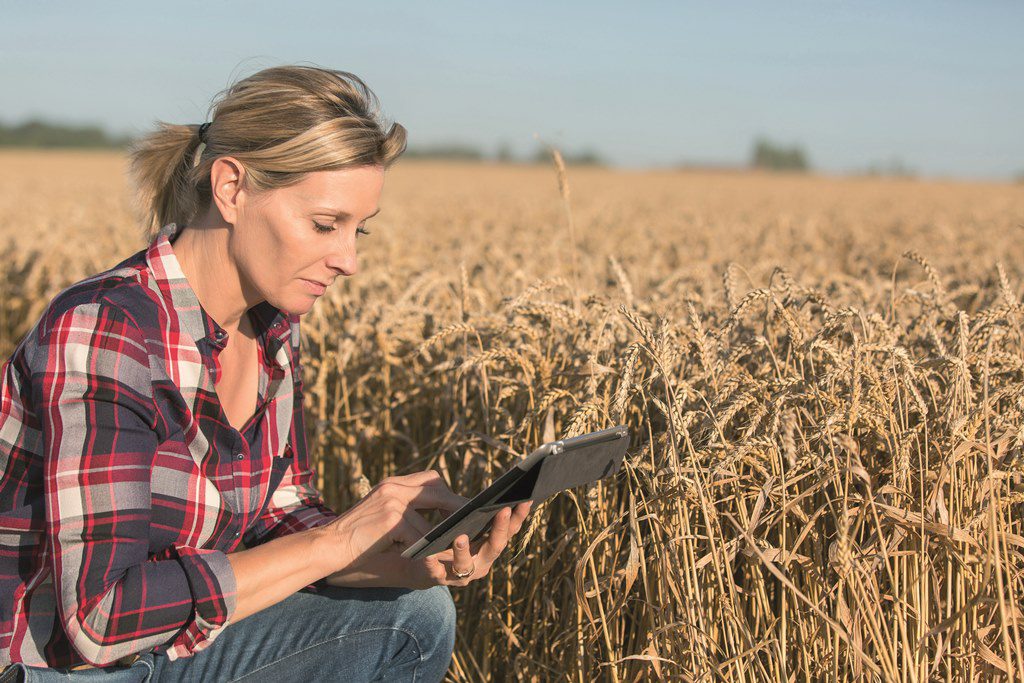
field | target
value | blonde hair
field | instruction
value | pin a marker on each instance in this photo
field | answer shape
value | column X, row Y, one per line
column 280, row 123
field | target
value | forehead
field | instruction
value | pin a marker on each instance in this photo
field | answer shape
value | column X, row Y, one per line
column 341, row 186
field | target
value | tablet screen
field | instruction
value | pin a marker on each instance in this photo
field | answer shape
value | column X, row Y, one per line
column 553, row 467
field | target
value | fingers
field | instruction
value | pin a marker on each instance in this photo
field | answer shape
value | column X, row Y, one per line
column 418, row 522
column 423, row 478
column 463, row 558
column 437, row 499
column 478, row 555
column 409, row 528
column 423, row 491
column 441, row 567
column 519, row 516
column 498, row 537
column 406, row 531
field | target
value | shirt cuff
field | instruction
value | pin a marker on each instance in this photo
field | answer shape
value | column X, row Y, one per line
column 212, row 581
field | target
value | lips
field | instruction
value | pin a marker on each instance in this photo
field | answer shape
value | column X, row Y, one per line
column 315, row 287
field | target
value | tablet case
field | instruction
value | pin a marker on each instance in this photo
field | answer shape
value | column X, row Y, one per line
column 553, row 467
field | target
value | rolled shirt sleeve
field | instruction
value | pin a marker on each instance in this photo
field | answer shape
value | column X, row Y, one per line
column 93, row 385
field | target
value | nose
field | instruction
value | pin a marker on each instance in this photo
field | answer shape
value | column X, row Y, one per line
column 342, row 259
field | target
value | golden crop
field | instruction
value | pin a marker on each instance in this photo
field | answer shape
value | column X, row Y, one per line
column 823, row 377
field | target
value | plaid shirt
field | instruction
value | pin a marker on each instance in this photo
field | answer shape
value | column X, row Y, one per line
column 123, row 484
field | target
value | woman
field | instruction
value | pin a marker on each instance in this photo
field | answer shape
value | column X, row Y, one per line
column 158, row 515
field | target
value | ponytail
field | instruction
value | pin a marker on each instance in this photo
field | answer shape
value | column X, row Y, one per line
column 160, row 164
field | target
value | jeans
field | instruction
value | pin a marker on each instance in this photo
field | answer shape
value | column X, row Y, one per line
column 337, row 634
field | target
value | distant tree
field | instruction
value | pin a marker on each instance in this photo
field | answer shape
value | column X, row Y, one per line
column 37, row 133
column 770, row 156
column 582, row 158
column 541, row 156
column 445, row 151
column 893, row 168
column 504, row 154
column 587, row 157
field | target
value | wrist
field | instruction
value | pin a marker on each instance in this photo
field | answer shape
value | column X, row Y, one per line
column 327, row 551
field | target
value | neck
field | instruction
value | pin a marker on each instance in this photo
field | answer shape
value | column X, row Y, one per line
column 203, row 251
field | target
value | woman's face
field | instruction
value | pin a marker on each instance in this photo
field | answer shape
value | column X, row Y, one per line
column 292, row 242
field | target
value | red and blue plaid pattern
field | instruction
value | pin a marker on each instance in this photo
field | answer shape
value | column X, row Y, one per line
column 123, row 484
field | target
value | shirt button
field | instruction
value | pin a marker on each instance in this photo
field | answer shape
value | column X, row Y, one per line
column 239, row 456
column 237, row 534
column 219, row 335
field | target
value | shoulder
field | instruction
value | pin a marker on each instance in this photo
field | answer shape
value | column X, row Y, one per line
column 116, row 306
column 89, row 342
column 121, row 292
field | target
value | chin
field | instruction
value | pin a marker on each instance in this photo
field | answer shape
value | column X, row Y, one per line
column 300, row 306
column 296, row 305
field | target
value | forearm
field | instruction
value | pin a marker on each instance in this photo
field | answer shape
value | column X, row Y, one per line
column 387, row 569
column 367, row 576
column 271, row 571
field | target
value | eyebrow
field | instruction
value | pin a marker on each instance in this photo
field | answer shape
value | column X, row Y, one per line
column 341, row 214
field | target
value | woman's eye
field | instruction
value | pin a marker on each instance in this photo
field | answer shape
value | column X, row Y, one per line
column 327, row 228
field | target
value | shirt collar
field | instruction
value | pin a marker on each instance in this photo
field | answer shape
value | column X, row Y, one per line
column 268, row 320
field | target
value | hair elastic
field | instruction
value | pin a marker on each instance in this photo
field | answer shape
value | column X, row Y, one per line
column 202, row 132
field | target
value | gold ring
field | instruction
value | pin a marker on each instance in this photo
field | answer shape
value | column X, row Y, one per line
column 463, row 575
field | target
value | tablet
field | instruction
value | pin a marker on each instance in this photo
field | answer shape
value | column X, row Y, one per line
column 553, row 467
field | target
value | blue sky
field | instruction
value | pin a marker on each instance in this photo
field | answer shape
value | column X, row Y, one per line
column 938, row 86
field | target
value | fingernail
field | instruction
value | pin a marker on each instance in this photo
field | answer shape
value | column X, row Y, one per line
column 461, row 543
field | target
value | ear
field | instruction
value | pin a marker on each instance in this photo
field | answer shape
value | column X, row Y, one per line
column 226, row 176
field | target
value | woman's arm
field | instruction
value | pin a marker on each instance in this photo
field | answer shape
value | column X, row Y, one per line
column 272, row 571
column 92, row 385
column 92, row 390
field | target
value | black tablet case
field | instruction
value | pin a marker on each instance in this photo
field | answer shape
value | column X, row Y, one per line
column 553, row 467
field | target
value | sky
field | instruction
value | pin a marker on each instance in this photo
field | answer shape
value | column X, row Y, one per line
column 935, row 86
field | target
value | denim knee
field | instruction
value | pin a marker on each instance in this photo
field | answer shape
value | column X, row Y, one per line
column 433, row 617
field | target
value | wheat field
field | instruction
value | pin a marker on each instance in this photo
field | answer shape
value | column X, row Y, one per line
column 824, row 378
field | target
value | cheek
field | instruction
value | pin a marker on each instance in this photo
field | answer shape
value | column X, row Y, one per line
column 286, row 255
column 277, row 248
column 268, row 254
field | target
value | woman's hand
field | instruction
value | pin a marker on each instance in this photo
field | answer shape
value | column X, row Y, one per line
column 480, row 555
column 365, row 544
column 389, row 568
